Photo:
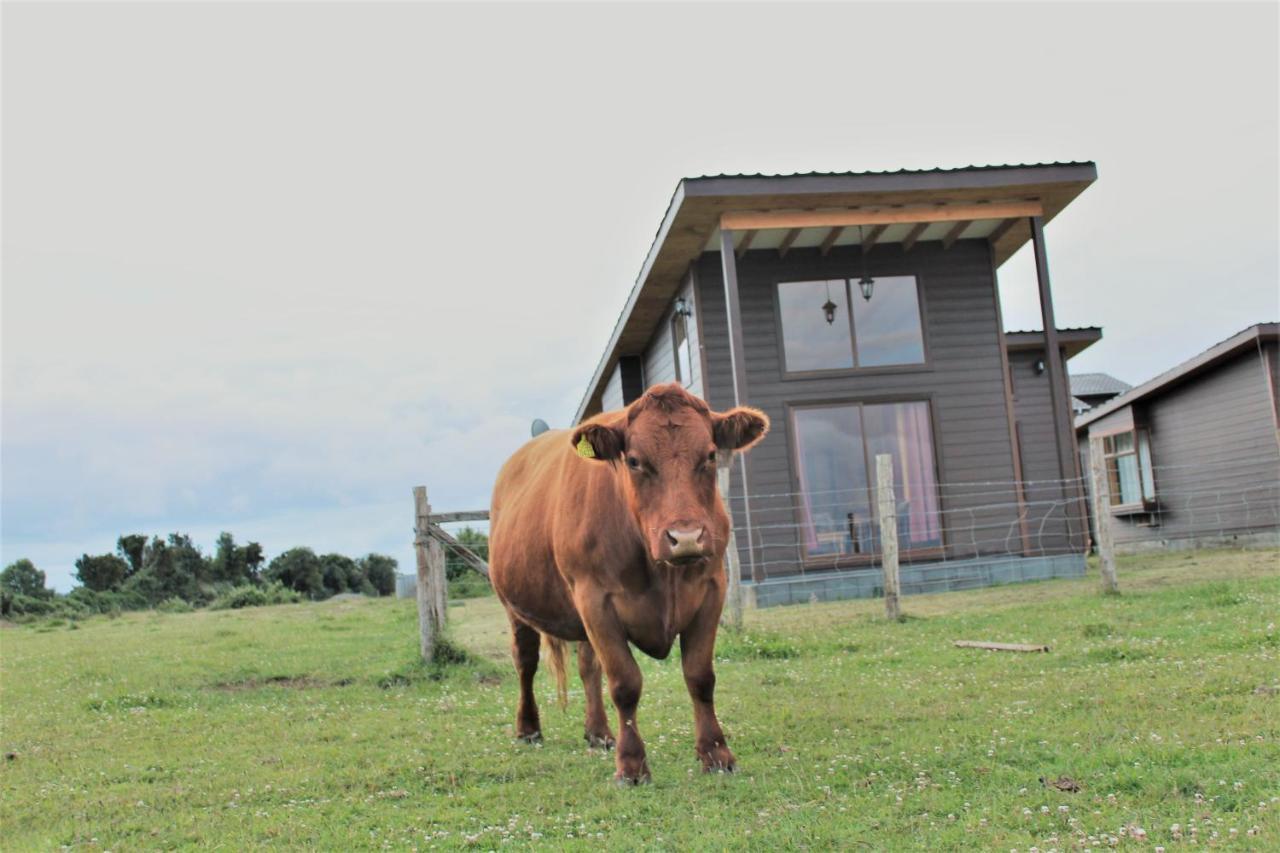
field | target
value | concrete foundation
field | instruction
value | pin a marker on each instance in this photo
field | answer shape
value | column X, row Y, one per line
column 946, row 576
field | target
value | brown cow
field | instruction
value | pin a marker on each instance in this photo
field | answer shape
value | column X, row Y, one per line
column 612, row 534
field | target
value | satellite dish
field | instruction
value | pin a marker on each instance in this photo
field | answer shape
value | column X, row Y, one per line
column 539, row 427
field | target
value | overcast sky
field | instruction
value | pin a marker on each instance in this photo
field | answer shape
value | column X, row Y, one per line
column 265, row 268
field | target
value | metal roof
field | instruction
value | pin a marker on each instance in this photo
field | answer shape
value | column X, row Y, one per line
column 1092, row 384
column 1074, row 340
column 693, row 217
column 1192, row 367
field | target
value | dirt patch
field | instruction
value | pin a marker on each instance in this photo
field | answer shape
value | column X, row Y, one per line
column 286, row 682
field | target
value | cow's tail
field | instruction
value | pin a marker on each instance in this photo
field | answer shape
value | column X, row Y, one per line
column 555, row 659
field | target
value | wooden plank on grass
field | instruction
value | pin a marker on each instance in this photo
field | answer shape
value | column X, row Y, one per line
column 1000, row 647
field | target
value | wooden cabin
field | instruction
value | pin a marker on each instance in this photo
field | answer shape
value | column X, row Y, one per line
column 861, row 312
column 1192, row 457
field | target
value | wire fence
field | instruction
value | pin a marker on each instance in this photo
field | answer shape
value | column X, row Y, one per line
column 984, row 526
column 955, row 535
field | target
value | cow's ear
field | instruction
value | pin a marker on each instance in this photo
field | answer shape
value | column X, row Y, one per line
column 739, row 428
column 598, row 439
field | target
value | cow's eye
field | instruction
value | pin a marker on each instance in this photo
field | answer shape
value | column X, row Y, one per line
column 711, row 458
column 633, row 463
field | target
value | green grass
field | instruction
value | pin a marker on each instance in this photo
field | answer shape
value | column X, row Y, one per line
column 312, row 725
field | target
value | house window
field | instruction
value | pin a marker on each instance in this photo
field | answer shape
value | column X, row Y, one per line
column 683, row 355
column 1129, row 475
column 836, row 447
column 828, row 325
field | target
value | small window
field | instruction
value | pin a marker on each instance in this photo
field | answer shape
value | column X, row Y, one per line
column 816, row 333
column 832, row 325
column 886, row 327
column 1129, row 476
column 683, row 350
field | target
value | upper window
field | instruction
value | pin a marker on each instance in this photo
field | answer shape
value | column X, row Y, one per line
column 836, row 448
column 683, row 349
column 1129, row 476
column 832, row 325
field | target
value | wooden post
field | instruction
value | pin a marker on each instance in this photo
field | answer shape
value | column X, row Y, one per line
column 1102, row 515
column 429, row 621
column 732, row 614
column 439, row 580
column 888, row 508
column 738, row 363
column 1059, row 393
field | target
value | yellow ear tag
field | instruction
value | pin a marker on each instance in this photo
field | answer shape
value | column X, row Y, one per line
column 585, row 450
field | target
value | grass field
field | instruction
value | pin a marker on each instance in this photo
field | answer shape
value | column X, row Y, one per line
column 311, row 726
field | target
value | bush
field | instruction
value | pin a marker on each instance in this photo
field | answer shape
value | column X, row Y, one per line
column 469, row 584
column 16, row 605
column 255, row 596
column 174, row 605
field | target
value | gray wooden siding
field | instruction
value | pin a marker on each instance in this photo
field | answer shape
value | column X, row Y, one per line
column 963, row 382
column 1216, row 458
column 1047, row 507
column 611, row 397
column 659, row 357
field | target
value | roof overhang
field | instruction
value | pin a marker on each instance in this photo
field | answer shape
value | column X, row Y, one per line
column 900, row 201
column 1072, row 341
column 1251, row 337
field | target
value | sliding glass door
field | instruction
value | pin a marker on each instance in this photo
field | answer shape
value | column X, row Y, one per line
column 835, row 447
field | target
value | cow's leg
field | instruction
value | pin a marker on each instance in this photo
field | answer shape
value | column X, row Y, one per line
column 524, row 650
column 610, row 645
column 597, row 725
column 697, row 652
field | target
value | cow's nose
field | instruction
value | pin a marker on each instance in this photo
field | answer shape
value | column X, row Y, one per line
column 685, row 543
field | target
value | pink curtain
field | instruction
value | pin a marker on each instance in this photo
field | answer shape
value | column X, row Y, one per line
column 919, row 491
column 810, row 535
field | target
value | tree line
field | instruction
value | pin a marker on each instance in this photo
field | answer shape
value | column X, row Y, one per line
column 173, row 573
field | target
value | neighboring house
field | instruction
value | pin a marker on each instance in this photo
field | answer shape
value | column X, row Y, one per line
column 1193, row 456
column 860, row 311
column 1090, row 390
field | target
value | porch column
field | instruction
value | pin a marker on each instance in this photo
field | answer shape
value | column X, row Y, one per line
column 1059, row 392
column 737, row 359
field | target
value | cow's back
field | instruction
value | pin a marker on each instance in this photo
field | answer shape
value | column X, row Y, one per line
column 523, row 571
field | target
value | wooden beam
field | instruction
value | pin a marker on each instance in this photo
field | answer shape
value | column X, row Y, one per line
column 954, row 234
column 912, row 236
column 1002, row 229
column 830, row 239
column 760, row 220
column 1000, row 647
column 738, row 370
column 746, row 242
column 869, row 239
column 465, row 515
column 471, row 558
column 787, row 241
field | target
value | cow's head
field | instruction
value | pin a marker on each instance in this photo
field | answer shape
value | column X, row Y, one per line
column 667, row 443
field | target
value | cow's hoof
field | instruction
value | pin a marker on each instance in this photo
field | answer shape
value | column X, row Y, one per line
column 631, row 781
column 600, row 741
column 718, row 759
column 530, row 737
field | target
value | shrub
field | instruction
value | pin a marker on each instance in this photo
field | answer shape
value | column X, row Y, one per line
column 255, row 596
column 174, row 605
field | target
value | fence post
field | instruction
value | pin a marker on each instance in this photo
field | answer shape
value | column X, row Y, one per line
column 888, row 508
column 733, row 570
column 1102, row 515
column 429, row 554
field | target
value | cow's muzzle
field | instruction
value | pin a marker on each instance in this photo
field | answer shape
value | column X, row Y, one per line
column 684, row 545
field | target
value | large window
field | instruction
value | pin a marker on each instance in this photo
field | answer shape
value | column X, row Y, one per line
column 836, row 447
column 831, row 325
column 1129, row 476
